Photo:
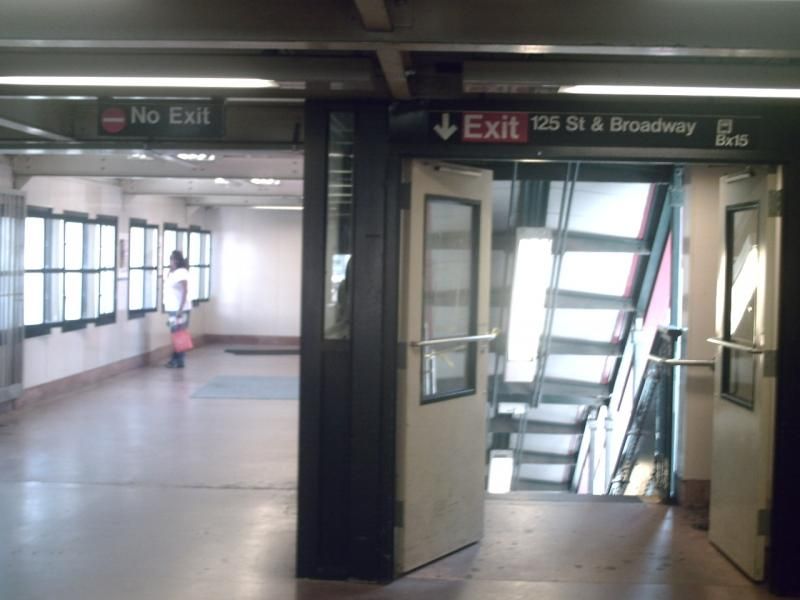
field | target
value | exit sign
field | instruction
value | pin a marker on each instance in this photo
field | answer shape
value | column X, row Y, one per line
column 163, row 120
column 495, row 127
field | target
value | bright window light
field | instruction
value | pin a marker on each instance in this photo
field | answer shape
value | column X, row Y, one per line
column 501, row 471
column 744, row 287
column 157, row 82
column 533, row 264
column 672, row 90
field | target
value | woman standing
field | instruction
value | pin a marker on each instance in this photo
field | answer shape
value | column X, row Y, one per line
column 177, row 302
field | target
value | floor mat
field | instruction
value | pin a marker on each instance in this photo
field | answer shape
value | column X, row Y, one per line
column 260, row 351
column 250, row 388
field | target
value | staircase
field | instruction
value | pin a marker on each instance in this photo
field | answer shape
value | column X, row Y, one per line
column 590, row 312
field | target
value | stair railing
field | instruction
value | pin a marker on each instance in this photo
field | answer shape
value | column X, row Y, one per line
column 654, row 393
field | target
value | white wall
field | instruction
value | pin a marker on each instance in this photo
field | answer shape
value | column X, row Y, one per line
column 702, row 239
column 256, row 272
column 61, row 354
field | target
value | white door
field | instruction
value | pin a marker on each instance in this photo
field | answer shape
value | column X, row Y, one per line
column 444, row 314
column 744, row 399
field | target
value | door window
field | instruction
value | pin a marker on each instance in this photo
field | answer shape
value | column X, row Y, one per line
column 741, row 283
column 450, row 285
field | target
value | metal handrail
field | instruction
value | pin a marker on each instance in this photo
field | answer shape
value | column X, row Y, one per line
column 736, row 346
column 682, row 362
column 485, row 337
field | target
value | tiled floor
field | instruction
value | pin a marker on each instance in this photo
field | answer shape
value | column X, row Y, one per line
column 133, row 490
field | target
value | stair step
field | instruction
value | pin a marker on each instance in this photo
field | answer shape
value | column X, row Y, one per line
column 579, row 242
column 573, row 400
column 508, row 424
column 551, row 385
column 564, row 299
column 545, row 458
column 559, row 345
column 538, row 485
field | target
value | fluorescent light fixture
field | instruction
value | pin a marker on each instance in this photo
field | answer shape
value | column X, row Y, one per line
column 277, row 207
column 199, row 157
column 674, row 90
column 501, row 471
column 153, row 82
column 221, row 181
column 532, row 266
column 140, row 156
column 265, row 181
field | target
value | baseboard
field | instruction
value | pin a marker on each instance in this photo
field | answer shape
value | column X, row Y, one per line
column 46, row 391
column 72, row 383
column 694, row 493
column 259, row 340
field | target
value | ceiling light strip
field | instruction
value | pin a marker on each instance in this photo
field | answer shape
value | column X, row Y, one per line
column 157, row 82
column 669, row 90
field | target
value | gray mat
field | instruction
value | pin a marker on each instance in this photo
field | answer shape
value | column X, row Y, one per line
column 261, row 351
column 250, row 388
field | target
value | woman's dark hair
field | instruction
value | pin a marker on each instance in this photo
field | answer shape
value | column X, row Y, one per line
column 181, row 262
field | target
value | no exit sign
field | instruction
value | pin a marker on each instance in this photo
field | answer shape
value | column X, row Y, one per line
column 165, row 120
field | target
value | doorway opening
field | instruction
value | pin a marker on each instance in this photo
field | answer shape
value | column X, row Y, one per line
column 617, row 291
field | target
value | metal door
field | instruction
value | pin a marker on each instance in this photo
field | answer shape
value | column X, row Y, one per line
column 444, row 319
column 744, row 399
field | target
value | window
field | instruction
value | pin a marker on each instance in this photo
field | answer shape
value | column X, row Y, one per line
column 339, row 227
column 70, row 270
column 142, row 268
column 199, row 265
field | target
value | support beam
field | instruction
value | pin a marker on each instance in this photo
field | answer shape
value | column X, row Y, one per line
column 233, row 165
column 374, row 15
column 33, row 131
column 393, row 65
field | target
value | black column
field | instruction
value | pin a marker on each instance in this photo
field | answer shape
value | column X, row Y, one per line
column 346, row 476
column 374, row 335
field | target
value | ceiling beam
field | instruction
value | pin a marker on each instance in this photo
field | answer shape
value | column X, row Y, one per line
column 33, row 131
column 666, row 28
column 90, row 164
column 393, row 64
column 374, row 15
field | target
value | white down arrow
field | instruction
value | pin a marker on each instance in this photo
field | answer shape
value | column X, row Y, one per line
column 444, row 129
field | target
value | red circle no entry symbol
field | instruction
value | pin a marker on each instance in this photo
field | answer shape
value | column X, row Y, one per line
column 113, row 120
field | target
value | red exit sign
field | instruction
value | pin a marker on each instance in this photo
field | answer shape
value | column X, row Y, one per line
column 495, row 127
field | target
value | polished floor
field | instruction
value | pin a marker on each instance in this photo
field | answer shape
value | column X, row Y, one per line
column 134, row 490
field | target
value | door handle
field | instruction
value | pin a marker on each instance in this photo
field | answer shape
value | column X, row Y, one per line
column 736, row 346
column 682, row 362
column 454, row 340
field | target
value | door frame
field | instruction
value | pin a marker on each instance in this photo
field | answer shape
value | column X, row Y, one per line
column 379, row 174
